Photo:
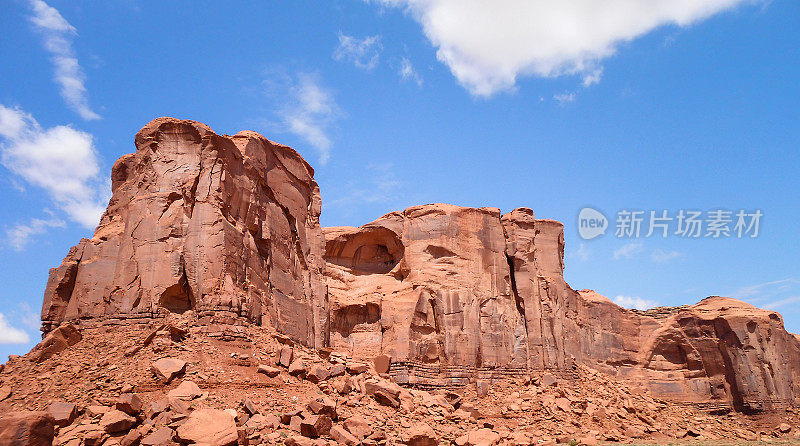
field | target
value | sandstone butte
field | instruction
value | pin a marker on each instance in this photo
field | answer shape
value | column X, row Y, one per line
column 223, row 231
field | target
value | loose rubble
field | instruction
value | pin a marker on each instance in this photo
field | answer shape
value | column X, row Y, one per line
column 220, row 398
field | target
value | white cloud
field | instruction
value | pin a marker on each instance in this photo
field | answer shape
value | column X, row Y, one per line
column 408, row 73
column 661, row 256
column 307, row 109
column 11, row 335
column 30, row 319
column 488, row 44
column 19, row 187
column 363, row 53
column 311, row 114
column 58, row 34
column 583, row 253
column 592, row 77
column 60, row 160
column 628, row 250
column 13, row 122
column 19, row 235
column 634, row 302
column 770, row 288
column 564, row 98
column 782, row 302
column 773, row 294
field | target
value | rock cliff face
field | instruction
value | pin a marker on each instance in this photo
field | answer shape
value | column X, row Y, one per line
column 228, row 227
column 223, row 225
column 458, row 292
column 459, row 286
column 463, row 286
column 428, row 284
column 722, row 352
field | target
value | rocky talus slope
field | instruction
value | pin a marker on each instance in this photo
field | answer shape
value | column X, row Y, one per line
column 210, row 307
column 181, row 380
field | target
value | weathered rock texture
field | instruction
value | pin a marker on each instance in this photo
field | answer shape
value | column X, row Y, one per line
column 721, row 352
column 429, row 284
column 203, row 222
column 460, row 292
column 228, row 227
column 454, row 285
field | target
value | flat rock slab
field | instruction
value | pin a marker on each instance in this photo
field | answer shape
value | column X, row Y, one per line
column 129, row 403
column 358, row 426
column 420, row 434
column 115, row 421
column 479, row 437
column 63, row 413
column 315, row 426
column 270, row 371
column 318, row 373
column 382, row 363
column 186, row 391
column 168, row 368
column 209, row 426
column 27, row 428
column 341, row 435
column 160, row 437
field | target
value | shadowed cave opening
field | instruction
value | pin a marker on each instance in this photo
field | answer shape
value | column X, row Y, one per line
column 346, row 319
column 668, row 356
column 178, row 298
column 371, row 251
column 373, row 258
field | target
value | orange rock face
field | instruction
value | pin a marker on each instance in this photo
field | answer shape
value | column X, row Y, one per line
column 222, row 225
column 721, row 352
column 228, row 227
column 452, row 285
column 427, row 284
column 464, row 290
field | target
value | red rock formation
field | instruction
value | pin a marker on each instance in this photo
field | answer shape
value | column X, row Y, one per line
column 535, row 251
column 26, row 428
column 55, row 342
column 464, row 288
column 723, row 352
column 228, row 227
column 452, row 285
column 428, row 284
column 203, row 222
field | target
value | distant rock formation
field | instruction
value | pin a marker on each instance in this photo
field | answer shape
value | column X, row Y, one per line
column 228, row 227
column 720, row 352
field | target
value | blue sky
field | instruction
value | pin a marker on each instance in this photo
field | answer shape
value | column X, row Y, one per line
column 683, row 105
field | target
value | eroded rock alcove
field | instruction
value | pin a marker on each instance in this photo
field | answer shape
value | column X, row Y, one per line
column 371, row 251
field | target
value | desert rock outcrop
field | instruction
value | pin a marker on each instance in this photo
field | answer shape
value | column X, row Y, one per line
column 225, row 231
column 428, row 284
column 26, row 428
column 459, row 292
column 227, row 226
